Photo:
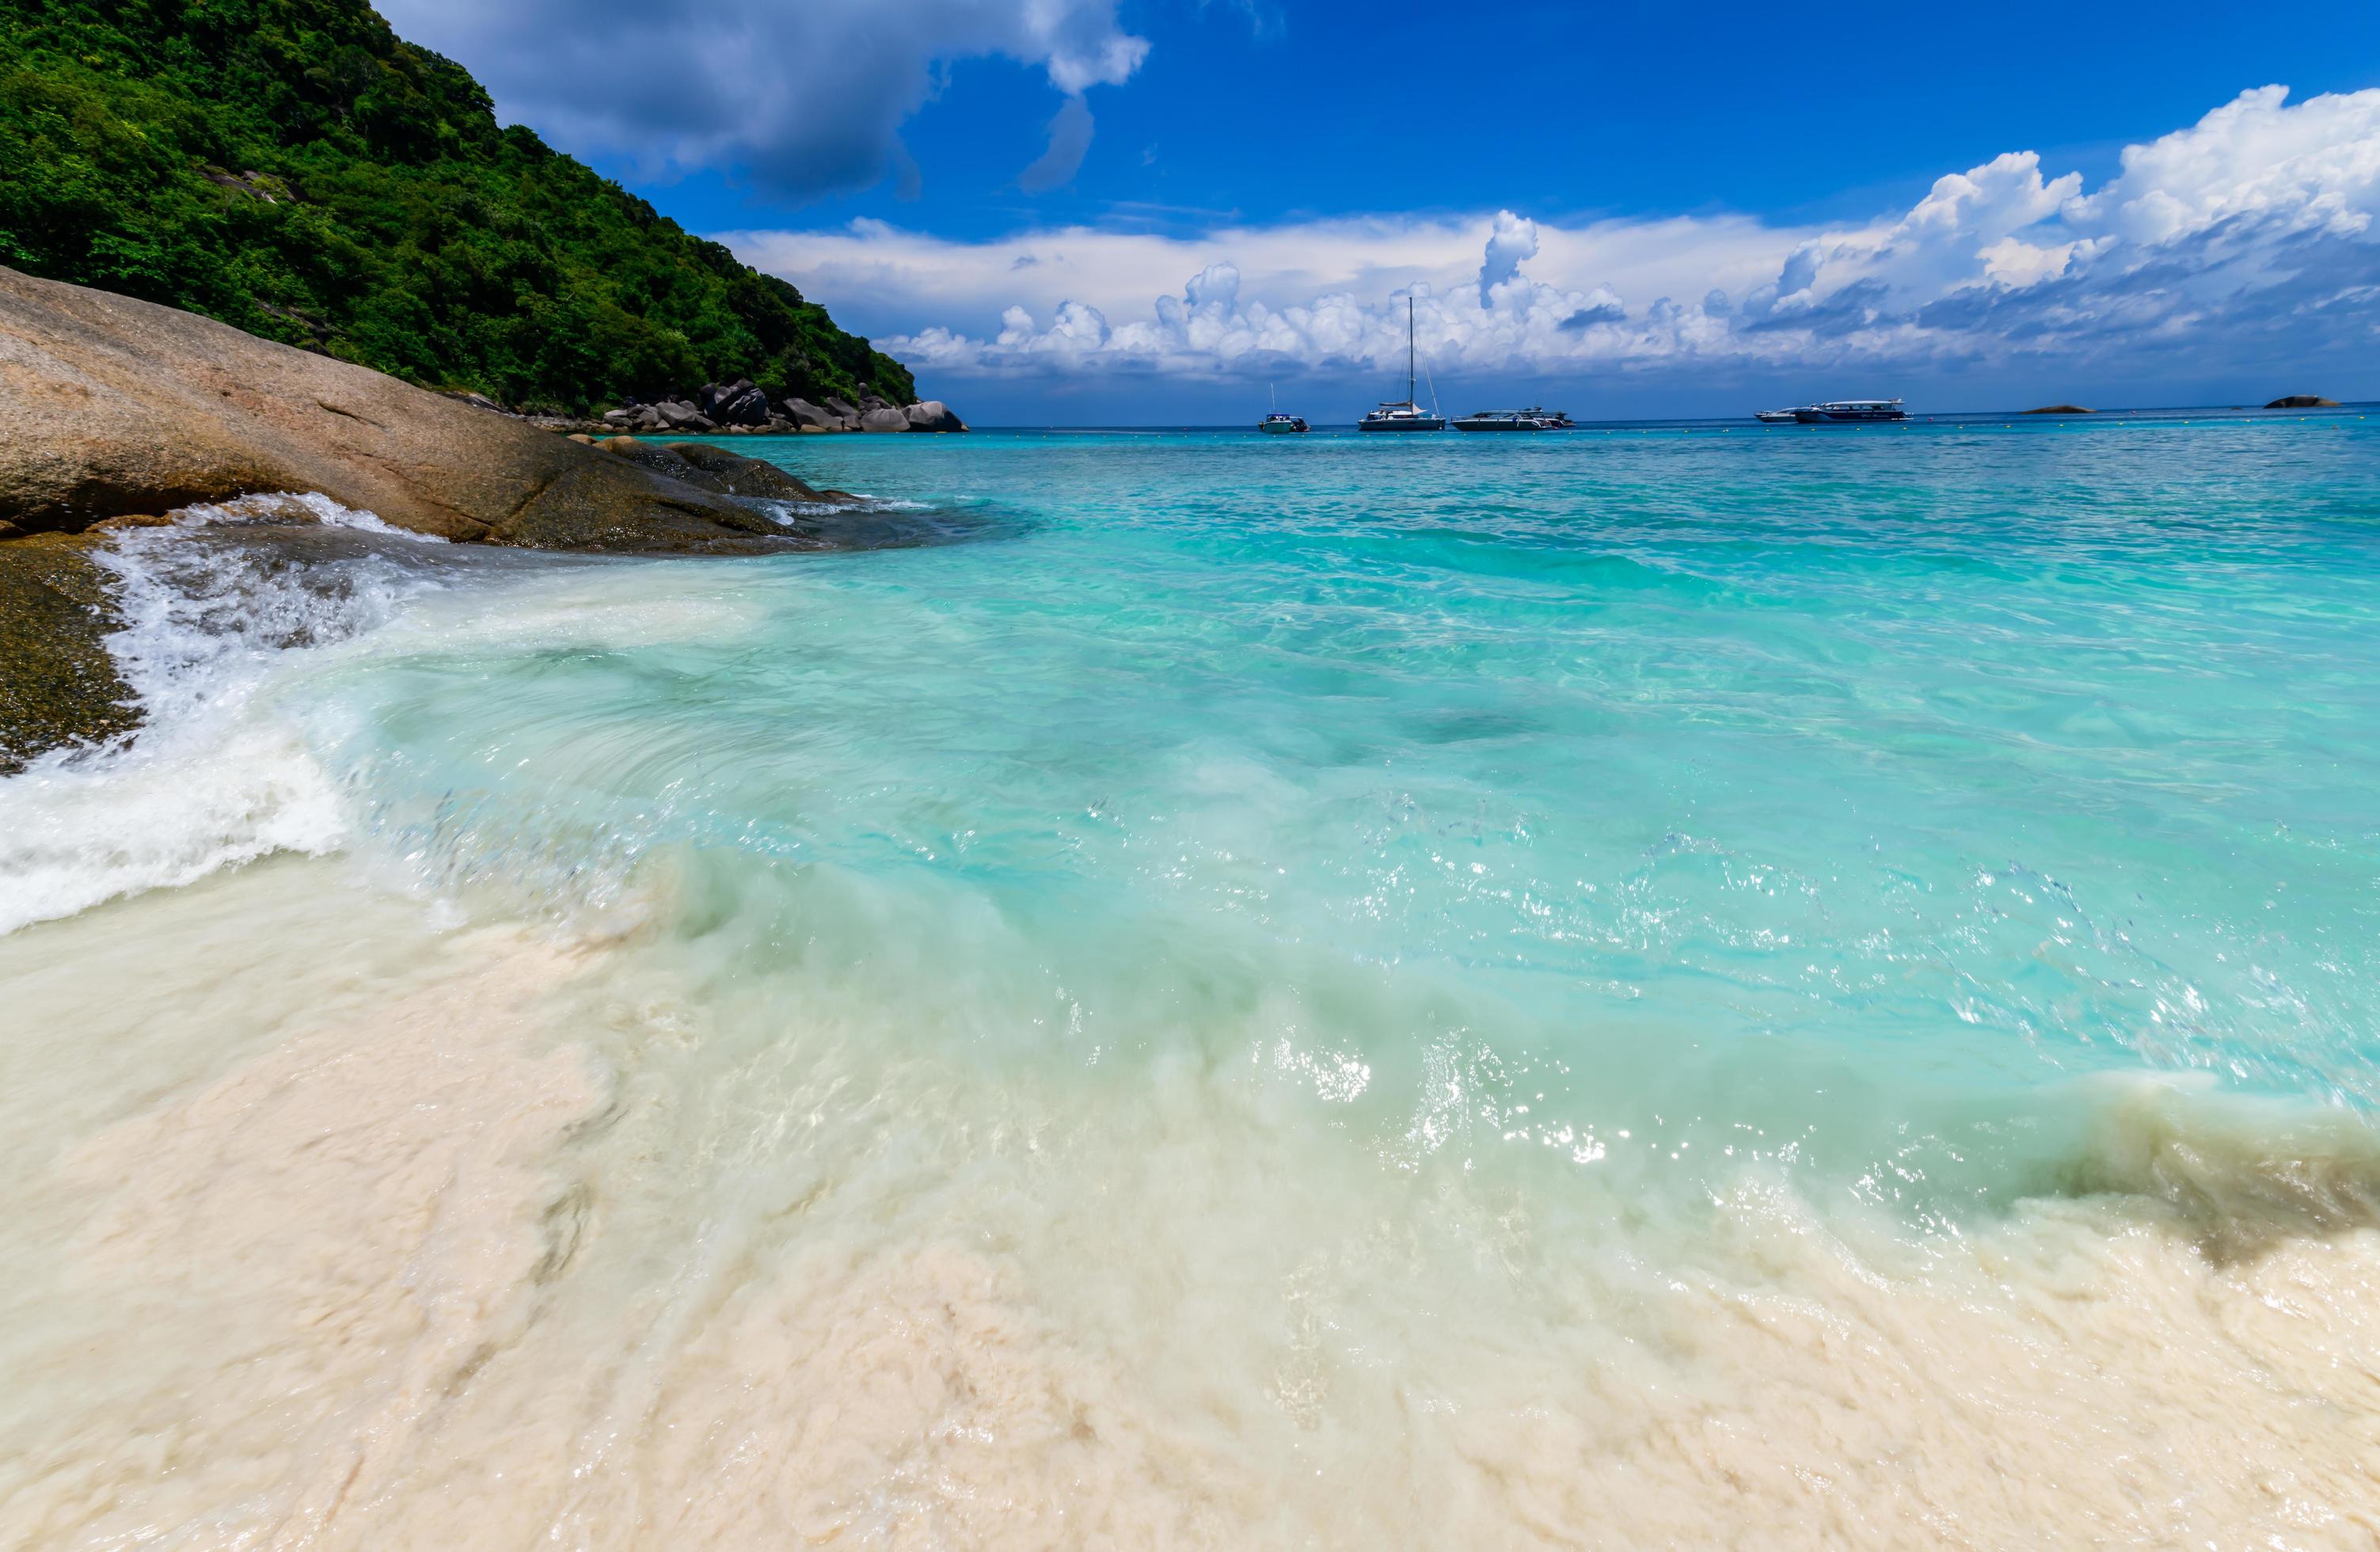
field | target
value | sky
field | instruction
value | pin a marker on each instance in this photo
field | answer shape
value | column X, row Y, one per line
column 1091, row 212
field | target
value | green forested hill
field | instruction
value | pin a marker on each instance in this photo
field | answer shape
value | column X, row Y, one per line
column 293, row 167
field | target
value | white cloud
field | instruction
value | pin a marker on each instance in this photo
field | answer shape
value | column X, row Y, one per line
column 2314, row 166
column 802, row 97
column 2257, row 220
column 1511, row 242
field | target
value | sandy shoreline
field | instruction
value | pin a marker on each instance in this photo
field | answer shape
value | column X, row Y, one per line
column 401, row 1265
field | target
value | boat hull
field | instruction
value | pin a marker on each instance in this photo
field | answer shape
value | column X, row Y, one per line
column 1417, row 423
column 1275, row 430
column 1846, row 417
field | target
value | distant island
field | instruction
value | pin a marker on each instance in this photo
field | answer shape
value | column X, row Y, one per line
column 2303, row 401
column 2062, row 409
column 295, row 169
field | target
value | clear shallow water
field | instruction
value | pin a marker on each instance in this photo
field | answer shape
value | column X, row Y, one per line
column 1588, row 988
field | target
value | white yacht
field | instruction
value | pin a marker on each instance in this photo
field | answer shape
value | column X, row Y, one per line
column 1837, row 412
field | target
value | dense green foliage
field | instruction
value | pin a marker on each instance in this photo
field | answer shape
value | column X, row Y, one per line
column 292, row 167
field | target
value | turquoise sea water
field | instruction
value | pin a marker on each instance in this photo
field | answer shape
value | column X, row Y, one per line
column 1677, row 983
column 1754, row 776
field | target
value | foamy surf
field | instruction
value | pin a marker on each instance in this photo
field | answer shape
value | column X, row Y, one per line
column 216, row 775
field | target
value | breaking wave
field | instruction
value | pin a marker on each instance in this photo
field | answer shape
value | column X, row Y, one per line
column 210, row 605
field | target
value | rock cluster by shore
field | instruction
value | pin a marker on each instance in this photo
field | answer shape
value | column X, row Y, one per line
column 741, row 406
column 121, row 411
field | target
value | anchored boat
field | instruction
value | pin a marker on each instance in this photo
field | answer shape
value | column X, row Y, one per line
column 1845, row 411
column 1534, row 419
column 1497, row 420
column 1278, row 424
column 1404, row 415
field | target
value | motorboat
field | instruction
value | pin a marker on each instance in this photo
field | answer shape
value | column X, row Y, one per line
column 1849, row 411
column 1277, row 423
column 1499, row 420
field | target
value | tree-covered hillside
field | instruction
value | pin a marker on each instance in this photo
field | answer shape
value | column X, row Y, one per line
column 293, row 167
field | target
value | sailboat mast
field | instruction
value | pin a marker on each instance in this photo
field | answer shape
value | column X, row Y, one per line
column 1409, row 354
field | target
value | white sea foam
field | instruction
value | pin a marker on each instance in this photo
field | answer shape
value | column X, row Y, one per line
column 783, row 512
column 212, row 778
column 294, row 507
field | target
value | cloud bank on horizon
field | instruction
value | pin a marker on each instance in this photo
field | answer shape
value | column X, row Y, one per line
column 2251, row 231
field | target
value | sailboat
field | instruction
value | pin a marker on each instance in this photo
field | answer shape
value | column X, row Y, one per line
column 1404, row 415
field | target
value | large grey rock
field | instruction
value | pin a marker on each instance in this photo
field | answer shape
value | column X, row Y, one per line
column 714, row 399
column 932, row 414
column 750, row 408
column 801, row 412
column 110, row 407
column 884, row 420
column 841, row 410
column 679, row 416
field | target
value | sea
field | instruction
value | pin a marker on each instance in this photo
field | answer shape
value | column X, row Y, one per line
column 1656, row 985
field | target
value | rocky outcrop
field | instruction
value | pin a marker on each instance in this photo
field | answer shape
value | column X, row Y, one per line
column 734, row 404
column 741, row 405
column 2060, row 410
column 808, row 417
column 2303, row 401
column 710, row 468
column 118, row 410
column 116, row 406
column 932, row 414
column 57, row 684
column 884, row 418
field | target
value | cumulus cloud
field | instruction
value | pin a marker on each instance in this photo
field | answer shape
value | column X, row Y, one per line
column 2257, row 223
column 803, row 98
column 1512, row 241
column 2313, row 168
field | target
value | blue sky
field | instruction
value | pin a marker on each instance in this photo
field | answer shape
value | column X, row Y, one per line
column 1630, row 209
